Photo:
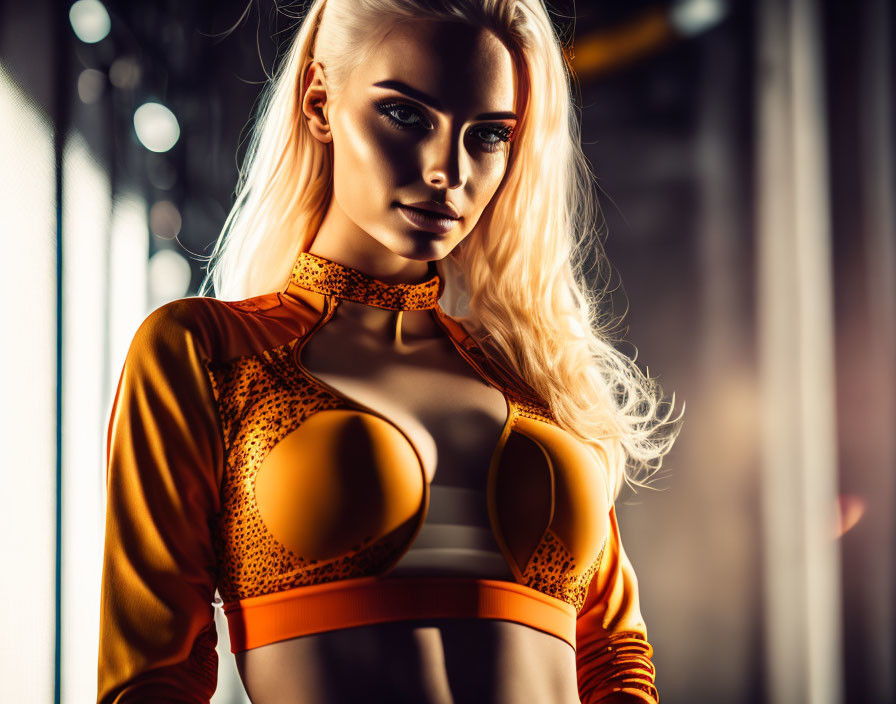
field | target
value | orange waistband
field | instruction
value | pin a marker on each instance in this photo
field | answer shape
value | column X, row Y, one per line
column 260, row 620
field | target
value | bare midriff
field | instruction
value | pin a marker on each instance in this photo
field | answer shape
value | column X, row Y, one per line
column 437, row 661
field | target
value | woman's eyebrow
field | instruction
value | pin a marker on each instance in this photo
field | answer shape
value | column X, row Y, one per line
column 431, row 102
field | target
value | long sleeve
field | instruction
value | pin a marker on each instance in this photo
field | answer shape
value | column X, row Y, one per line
column 163, row 467
column 612, row 652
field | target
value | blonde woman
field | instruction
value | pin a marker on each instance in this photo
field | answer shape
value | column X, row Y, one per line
column 394, row 440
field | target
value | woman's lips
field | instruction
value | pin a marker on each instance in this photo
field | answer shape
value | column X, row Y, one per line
column 428, row 221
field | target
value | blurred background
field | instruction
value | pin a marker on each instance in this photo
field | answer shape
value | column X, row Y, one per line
column 744, row 154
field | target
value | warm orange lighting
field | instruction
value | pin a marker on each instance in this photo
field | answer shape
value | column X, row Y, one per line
column 604, row 50
column 850, row 509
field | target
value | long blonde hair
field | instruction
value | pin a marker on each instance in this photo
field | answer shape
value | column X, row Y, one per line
column 517, row 282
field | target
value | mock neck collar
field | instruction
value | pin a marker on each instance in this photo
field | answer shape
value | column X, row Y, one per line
column 315, row 273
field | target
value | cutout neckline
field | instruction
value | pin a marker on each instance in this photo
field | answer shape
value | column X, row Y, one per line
column 360, row 406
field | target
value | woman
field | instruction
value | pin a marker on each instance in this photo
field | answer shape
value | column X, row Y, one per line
column 395, row 504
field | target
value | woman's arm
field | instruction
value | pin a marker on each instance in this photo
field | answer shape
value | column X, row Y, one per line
column 164, row 463
column 612, row 652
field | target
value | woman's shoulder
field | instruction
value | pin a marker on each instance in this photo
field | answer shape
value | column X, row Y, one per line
column 193, row 316
column 222, row 330
column 183, row 315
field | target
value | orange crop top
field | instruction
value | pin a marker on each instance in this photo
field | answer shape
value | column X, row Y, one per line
column 213, row 405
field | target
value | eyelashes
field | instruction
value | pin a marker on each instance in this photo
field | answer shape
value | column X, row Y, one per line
column 392, row 112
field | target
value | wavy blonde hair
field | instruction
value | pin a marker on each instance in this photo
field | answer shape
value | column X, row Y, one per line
column 517, row 281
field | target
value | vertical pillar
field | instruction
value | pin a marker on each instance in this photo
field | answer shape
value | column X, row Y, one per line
column 802, row 621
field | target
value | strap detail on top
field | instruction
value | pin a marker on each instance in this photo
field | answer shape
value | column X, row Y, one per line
column 260, row 620
column 322, row 275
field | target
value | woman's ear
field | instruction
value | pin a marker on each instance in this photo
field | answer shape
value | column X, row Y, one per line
column 315, row 103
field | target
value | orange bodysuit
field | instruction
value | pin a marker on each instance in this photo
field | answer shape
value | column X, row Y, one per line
column 232, row 467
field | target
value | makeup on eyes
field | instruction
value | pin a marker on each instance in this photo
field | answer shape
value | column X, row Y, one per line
column 503, row 133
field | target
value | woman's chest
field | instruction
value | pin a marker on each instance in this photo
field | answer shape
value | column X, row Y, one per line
column 332, row 450
column 450, row 415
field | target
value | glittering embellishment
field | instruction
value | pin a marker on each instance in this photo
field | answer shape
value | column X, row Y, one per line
column 552, row 570
column 316, row 273
column 535, row 411
column 261, row 399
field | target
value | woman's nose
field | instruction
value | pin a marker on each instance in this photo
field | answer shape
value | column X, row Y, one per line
column 443, row 163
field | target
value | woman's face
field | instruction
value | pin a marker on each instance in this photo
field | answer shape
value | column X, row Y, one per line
column 427, row 117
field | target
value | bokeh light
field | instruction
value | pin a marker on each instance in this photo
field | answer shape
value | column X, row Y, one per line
column 90, row 21
column 165, row 220
column 91, row 84
column 124, row 73
column 169, row 276
column 156, row 127
column 690, row 17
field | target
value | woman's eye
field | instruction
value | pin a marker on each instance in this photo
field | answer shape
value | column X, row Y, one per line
column 405, row 117
column 400, row 115
column 493, row 138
